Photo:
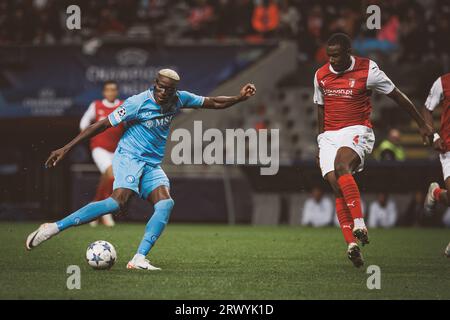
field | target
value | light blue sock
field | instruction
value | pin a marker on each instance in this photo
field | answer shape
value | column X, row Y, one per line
column 88, row 213
column 156, row 225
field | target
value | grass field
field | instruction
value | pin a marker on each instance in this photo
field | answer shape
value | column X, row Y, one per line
column 222, row 262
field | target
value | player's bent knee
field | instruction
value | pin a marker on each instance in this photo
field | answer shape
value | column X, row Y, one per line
column 122, row 198
column 341, row 168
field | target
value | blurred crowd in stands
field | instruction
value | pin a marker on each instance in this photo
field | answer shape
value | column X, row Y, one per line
column 308, row 22
column 383, row 211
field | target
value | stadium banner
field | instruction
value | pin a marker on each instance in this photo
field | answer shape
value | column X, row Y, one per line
column 64, row 80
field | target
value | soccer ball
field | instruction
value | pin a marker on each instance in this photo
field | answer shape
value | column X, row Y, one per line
column 101, row 255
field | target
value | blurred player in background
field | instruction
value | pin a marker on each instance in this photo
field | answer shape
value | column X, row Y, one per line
column 104, row 144
column 440, row 95
column 342, row 89
column 137, row 160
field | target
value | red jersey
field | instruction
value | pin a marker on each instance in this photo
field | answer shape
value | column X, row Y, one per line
column 440, row 95
column 99, row 110
column 346, row 95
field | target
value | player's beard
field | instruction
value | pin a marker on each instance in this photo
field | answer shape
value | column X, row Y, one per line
column 169, row 106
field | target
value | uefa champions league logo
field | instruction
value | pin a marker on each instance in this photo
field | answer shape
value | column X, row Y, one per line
column 121, row 112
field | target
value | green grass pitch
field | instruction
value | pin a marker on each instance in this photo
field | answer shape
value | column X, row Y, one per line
column 228, row 262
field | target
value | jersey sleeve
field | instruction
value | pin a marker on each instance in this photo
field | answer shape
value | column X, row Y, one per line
column 125, row 112
column 190, row 100
column 318, row 94
column 377, row 80
column 435, row 96
column 88, row 117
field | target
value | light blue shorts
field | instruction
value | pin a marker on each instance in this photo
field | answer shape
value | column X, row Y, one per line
column 137, row 175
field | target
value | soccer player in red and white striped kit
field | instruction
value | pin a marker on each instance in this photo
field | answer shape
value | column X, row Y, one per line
column 440, row 96
column 342, row 90
column 104, row 144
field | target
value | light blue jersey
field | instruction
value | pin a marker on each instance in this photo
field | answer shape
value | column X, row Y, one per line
column 146, row 126
column 136, row 163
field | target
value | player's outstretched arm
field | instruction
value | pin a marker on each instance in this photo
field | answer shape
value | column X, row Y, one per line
column 222, row 102
column 91, row 131
column 426, row 131
column 438, row 143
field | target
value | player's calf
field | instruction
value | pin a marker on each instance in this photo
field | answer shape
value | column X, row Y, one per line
column 156, row 225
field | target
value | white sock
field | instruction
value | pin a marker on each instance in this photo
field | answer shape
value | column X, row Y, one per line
column 52, row 228
column 139, row 256
column 352, row 244
column 359, row 223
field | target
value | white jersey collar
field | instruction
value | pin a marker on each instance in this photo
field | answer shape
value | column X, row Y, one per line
column 108, row 104
column 352, row 65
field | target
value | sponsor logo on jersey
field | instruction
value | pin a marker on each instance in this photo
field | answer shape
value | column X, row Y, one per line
column 159, row 122
column 338, row 92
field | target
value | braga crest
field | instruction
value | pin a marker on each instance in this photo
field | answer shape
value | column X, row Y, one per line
column 351, row 82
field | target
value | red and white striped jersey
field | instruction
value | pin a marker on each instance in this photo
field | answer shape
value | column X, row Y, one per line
column 440, row 95
column 346, row 95
column 99, row 110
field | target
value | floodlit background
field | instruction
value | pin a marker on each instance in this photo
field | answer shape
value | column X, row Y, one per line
column 49, row 75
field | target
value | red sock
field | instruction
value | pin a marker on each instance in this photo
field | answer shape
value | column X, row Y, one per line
column 99, row 192
column 345, row 220
column 351, row 195
column 437, row 193
column 104, row 189
column 108, row 187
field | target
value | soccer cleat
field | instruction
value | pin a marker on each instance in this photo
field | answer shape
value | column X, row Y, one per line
column 108, row 220
column 430, row 200
column 355, row 255
column 44, row 232
column 139, row 262
column 361, row 234
column 93, row 223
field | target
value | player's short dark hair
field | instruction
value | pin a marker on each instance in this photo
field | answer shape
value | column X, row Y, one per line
column 107, row 82
column 341, row 39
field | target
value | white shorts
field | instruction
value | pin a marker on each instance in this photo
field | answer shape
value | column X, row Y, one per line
column 102, row 158
column 445, row 161
column 358, row 138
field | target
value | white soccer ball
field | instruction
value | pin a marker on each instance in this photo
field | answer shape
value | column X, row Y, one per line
column 101, row 255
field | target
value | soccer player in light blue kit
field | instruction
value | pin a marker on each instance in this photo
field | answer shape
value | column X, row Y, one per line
column 136, row 164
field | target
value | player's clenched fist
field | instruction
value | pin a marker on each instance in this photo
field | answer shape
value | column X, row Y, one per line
column 426, row 131
column 55, row 157
column 247, row 91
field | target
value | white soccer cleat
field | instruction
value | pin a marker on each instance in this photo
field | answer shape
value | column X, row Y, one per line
column 139, row 262
column 44, row 232
column 108, row 220
column 430, row 200
column 93, row 223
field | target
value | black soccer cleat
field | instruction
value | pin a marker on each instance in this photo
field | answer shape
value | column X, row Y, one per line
column 362, row 235
column 355, row 255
